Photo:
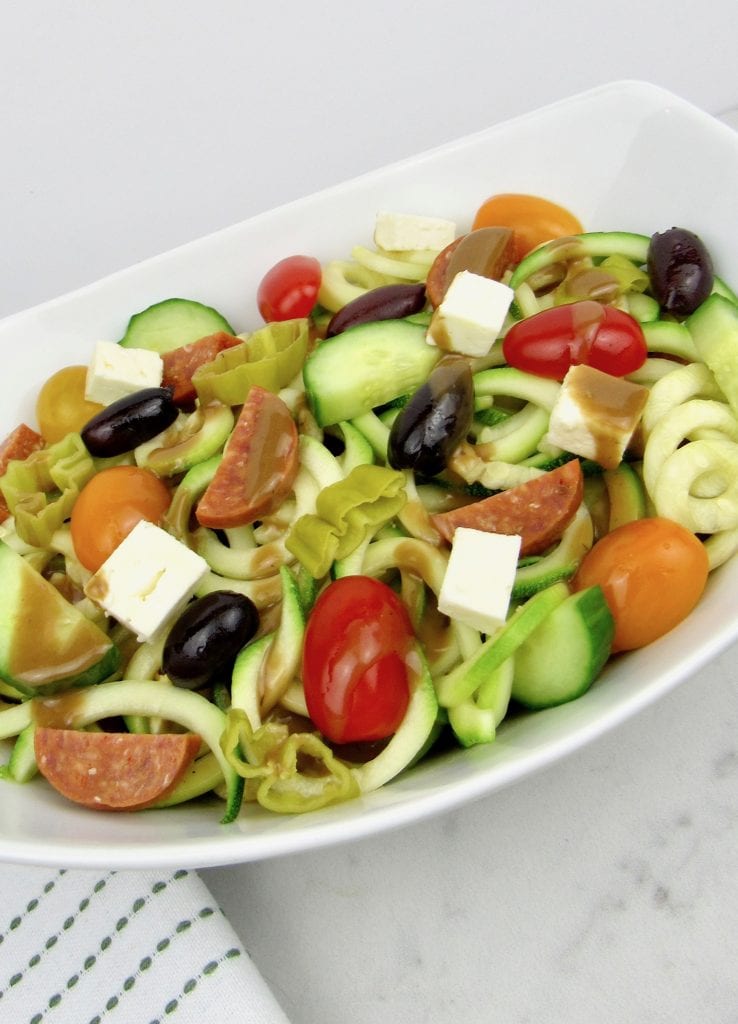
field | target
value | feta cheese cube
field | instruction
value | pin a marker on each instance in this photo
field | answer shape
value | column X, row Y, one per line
column 404, row 231
column 471, row 315
column 147, row 580
column 595, row 415
column 479, row 579
column 116, row 372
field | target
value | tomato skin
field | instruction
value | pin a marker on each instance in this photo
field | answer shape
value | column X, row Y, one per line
column 652, row 571
column 290, row 289
column 550, row 342
column 354, row 667
column 109, row 506
column 61, row 407
column 533, row 220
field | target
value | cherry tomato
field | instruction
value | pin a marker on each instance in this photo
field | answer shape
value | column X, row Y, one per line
column 533, row 220
column 61, row 407
column 289, row 290
column 652, row 572
column 354, row 667
column 550, row 342
column 109, row 506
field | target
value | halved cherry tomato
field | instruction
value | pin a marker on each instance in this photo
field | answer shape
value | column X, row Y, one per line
column 258, row 467
column 354, row 667
column 109, row 506
column 652, row 572
column 552, row 341
column 61, row 406
column 289, row 290
column 533, row 220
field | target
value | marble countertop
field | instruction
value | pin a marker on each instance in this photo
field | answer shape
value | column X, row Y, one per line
column 603, row 888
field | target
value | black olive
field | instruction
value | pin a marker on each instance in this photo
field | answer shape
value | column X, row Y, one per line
column 389, row 302
column 434, row 421
column 123, row 425
column 204, row 641
column 680, row 271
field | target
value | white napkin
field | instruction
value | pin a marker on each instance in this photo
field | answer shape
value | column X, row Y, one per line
column 125, row 947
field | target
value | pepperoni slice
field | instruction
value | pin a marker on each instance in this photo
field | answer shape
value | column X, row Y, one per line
column 181, row 363
column 259, row 465
column 111, row 771
column 538, row 511
column 17, row 445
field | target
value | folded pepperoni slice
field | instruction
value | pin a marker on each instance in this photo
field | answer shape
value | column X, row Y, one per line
column 538, row 511
column 181, row 363
column 110, row 771
column 259, row 465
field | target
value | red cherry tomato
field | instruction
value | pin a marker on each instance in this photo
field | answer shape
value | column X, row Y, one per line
column 289, row 290
column 532, row 219
column 354, row 667
column 552, row 341
column 652, row 572
column 108, row 507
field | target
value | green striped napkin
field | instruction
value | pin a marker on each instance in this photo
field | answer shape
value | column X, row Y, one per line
column 125, row 947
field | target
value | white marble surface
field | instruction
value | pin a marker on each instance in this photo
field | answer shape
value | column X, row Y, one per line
column 603, row 889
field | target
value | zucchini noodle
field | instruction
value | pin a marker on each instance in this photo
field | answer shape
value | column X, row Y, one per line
column 344, row 511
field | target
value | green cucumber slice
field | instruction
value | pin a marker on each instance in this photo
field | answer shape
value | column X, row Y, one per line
column 171, row 323
column 714, row 329
column 366, row 366
column 46, row 643
column 472, row 674
column 563, row 656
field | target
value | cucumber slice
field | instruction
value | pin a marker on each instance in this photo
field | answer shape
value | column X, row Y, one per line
column 472, row 674
column 46, row 643
column 714, row 329
column 172, row 323
column 563, row 656
column 366, row 366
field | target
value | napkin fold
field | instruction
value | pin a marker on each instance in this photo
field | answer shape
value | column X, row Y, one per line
column 122, row 947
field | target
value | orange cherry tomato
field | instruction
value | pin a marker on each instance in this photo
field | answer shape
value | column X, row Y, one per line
column 108, row 507
column 652, row 572
column 532, row 219
column 61, row 407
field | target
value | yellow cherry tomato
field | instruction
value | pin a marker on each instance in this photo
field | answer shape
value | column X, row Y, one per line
column 652, row 572
column 532, row 220
column 61, row 407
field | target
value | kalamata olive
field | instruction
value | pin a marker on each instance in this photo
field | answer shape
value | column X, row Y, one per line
column 680, row 270
column 205, row 639
column 389, row 302
column 127, row 423
column 434, row 421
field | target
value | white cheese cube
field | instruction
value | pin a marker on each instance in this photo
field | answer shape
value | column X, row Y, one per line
column 116, row 372
column 147, row 580
column 399, row 232
column 471, row 315
column 595, row 415
column 479, row 579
